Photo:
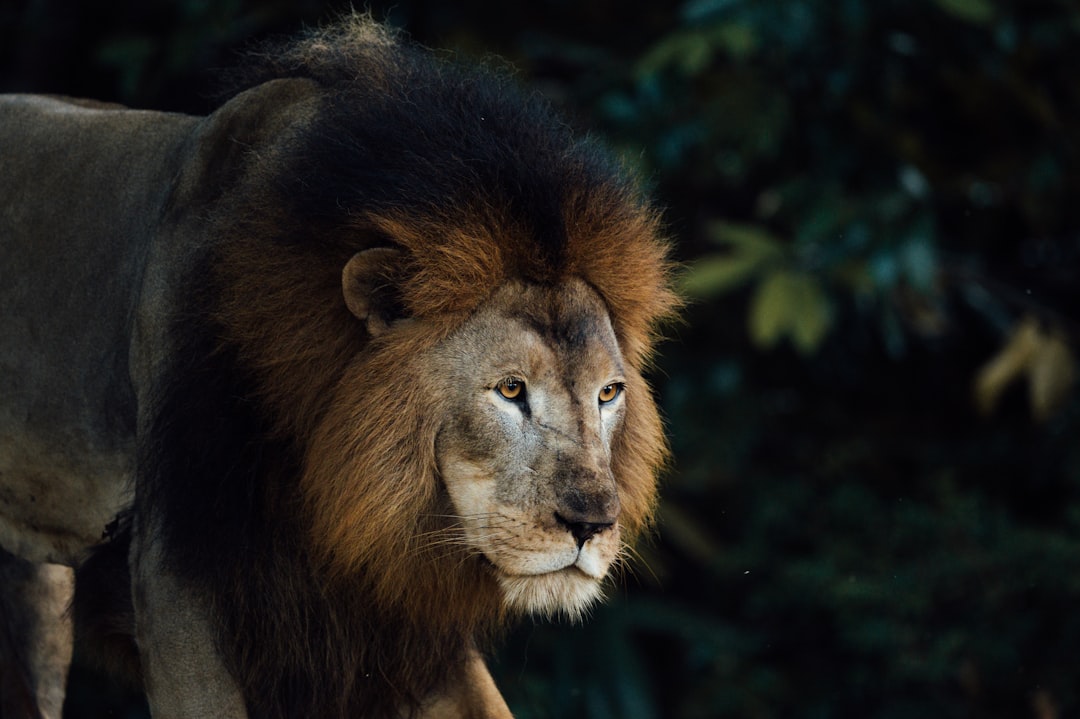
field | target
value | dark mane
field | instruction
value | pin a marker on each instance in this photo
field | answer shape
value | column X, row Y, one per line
column 402, row 130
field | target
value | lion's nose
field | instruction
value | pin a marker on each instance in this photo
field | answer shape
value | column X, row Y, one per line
column 584, row 527
column 588, row 507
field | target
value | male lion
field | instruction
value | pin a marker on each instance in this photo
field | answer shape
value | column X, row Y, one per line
column 356, row 360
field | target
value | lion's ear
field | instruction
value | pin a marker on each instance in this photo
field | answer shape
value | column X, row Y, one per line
column 370, row 287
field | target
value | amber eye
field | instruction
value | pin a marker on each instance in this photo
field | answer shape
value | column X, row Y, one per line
column 610, row 392
column 512, row 388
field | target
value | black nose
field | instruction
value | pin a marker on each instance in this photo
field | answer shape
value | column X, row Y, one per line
column 582, row 531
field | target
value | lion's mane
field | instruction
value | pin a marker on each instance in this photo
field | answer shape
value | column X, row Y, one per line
column 313, row 495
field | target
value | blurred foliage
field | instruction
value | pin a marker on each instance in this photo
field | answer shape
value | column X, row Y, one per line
column 875, row 508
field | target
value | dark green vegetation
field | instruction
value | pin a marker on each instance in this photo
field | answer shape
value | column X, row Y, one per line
column 875, row 504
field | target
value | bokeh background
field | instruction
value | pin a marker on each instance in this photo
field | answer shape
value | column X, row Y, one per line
column 874, row 508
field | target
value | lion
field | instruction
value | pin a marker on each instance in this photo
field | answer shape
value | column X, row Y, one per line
column 317, row 393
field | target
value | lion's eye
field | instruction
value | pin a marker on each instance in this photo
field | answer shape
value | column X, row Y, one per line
column 512, row 389
column 610, row 392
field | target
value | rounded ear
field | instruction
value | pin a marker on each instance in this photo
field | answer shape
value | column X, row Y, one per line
column 369, row 286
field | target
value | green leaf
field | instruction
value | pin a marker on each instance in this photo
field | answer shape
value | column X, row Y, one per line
column 691, row 52
column 688, row 52
column 810, row 318
column 978, row 12
column 739, row 40
column 748, row 239
column 752, row 249
column 790, row 304
column 769, row 309
column 718, row 274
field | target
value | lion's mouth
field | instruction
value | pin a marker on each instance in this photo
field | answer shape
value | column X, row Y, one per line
column 569, row 568
column 582, row 565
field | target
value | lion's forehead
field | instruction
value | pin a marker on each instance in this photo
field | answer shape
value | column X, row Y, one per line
column 563, row 331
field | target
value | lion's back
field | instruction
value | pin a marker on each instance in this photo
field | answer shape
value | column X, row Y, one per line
column 80, row 188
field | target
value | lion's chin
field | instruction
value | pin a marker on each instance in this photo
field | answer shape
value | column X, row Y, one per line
column 569, row 592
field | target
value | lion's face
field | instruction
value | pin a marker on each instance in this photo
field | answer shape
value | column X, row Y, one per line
column 537, row 385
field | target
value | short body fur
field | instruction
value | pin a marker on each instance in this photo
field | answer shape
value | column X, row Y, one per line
column 290, row 457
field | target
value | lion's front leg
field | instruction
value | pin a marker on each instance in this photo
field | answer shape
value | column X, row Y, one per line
column 473, row 696
column 184, row 675
column 36, row 637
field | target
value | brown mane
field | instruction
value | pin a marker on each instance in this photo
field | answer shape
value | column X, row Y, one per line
column 360, row 414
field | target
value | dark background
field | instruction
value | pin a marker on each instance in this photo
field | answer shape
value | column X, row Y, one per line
column 875, row 503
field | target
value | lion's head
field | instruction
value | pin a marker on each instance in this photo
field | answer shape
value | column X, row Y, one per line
column 454, row 315
column 526, row 406
column 512, row 440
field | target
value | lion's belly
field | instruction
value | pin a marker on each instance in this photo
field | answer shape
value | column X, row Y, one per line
column 57, row 495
